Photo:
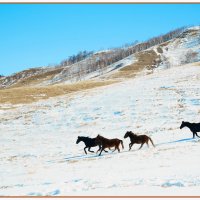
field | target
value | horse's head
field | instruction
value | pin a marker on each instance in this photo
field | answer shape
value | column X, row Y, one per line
column 78, row 140
column 183, row 124
column 127, row 134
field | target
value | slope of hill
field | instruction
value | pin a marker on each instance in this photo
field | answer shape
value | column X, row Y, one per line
column 29, row 77
column 100, row 66
column 38, row 151
column 99, row 63
column 181, row 50
column 39, row 155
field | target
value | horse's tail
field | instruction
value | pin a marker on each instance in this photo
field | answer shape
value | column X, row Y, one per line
column 122, row 144
column 151, row 141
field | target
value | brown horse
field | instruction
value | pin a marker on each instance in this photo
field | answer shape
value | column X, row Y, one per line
column 108, row 143
column 138, row 139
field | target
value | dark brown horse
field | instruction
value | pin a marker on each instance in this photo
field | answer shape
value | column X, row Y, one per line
column 194, row 127
column 138, row 139
column 108, row 143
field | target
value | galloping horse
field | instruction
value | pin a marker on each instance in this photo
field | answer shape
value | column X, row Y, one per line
column 194, row 127
column 89, row 142
column 108, row 143
column 138, row 139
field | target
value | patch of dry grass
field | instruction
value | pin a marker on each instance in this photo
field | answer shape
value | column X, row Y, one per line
column 165, row 43
column 38, row 78
column 196, row 63
column 146, row 59
column 31, row 94
column 25, row 91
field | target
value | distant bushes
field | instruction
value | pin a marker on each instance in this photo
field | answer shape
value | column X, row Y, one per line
column 76, row 58
column 116, row 54
column 87, row 61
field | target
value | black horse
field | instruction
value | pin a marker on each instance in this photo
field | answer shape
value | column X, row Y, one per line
column 89, row 142
column 138, row 139
column 194, row 127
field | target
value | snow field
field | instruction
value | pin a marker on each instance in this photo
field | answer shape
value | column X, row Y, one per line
column 39, row 155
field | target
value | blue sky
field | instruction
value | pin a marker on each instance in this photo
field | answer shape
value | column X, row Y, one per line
column 33, row 35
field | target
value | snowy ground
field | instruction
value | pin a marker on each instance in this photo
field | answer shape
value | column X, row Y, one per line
column 39, row 155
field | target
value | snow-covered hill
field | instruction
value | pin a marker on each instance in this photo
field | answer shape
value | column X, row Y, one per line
column 182, row 49
column 39, row 155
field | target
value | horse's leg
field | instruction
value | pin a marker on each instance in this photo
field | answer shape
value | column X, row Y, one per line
column 114, row 149
column 85, row 150
column 193, row 134
column 118, row 148
column 101, row 151
column 89, row 150
column 141, row 146
column 197, row 135
column 147, row 143
column 130, row 146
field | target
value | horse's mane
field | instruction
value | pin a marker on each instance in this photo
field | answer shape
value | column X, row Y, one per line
column 83, row 137
column 132, row 133
column 100, row 136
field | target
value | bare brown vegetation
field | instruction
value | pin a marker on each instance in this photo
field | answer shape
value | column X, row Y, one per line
column 164, row 44
column 38, row 78
column 22, row 92
column 197, row 64
column 191, row 32
column 147, row 59
column 32, row 94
